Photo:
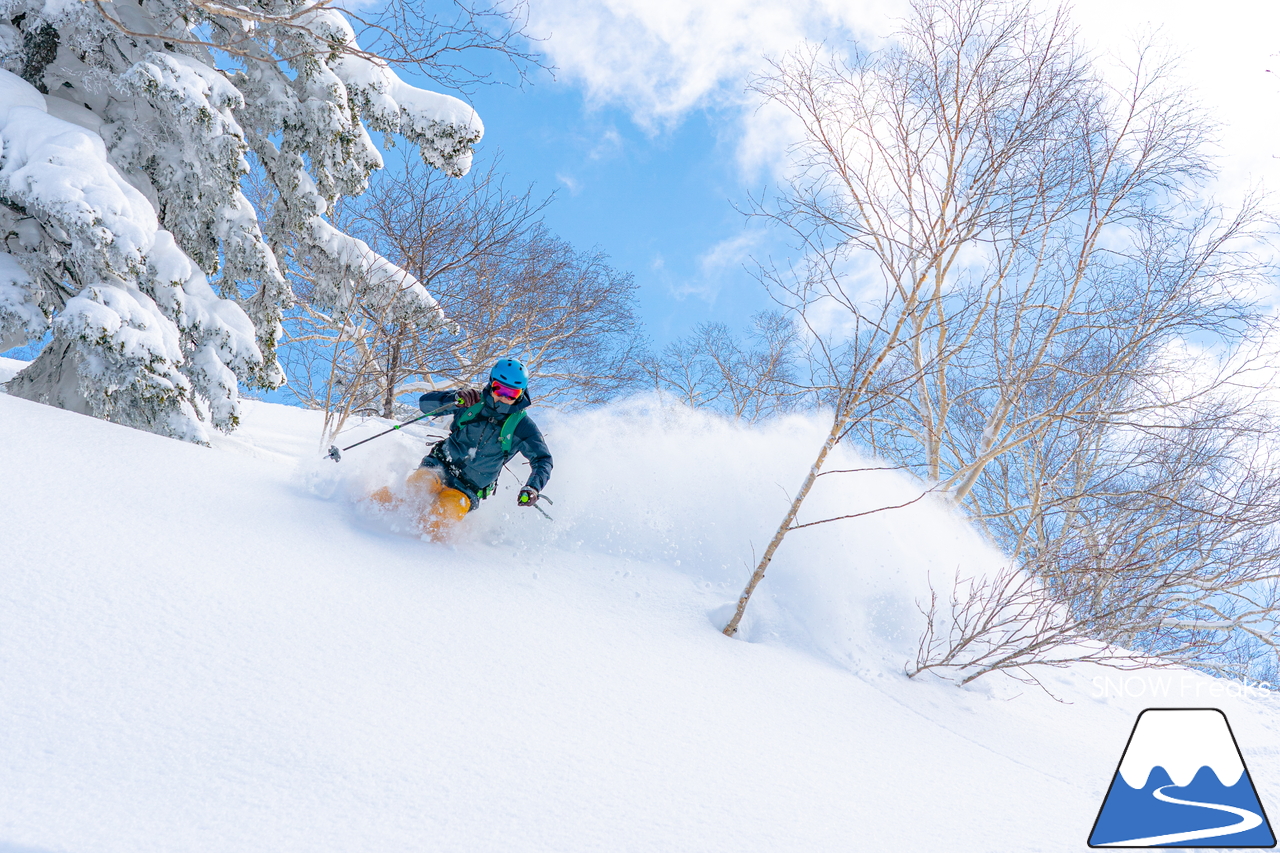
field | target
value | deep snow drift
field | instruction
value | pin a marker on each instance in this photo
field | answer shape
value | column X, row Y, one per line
column 221, row 649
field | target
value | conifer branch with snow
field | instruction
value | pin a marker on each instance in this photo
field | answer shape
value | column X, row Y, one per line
column 126, row 130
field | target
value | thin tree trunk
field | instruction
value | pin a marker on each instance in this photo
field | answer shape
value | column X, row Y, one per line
column 845, row 408
column 393, row 371
column 837, row 426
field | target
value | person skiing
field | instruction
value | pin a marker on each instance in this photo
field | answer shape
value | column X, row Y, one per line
column 490, row 425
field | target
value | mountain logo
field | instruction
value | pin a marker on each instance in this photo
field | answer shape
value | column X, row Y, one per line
column 1182, row 783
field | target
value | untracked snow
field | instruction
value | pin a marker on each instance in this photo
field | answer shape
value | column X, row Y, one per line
column 224, row 649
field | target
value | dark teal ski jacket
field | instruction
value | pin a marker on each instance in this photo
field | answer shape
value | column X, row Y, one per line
column 473, row 449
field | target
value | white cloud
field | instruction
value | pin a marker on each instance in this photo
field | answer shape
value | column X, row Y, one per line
column 660, row 59
column 610, row 143
column 767, row 132
column 718, row 265
column 730, row 253
column 698, row 288
column 573, row 184
column 1224, row 53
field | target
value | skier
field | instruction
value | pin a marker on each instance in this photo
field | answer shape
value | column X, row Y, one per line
column 490, row 425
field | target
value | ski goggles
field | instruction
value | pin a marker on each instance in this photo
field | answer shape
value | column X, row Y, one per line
column 505, row 392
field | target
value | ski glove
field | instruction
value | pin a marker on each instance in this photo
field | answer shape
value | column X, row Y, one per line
column 528, row 496
column 468, row 398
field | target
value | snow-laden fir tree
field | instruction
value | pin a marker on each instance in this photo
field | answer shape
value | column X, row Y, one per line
column 125, row 237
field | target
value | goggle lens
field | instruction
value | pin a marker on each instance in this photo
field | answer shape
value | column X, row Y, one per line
column 505, row 391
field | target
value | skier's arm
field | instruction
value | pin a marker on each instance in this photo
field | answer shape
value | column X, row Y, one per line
column 533, row 447
column 432, row 401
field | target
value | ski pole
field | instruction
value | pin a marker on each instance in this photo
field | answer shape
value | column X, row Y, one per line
column 336, row 455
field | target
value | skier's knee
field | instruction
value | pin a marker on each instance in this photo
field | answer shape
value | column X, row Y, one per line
column 456, row 503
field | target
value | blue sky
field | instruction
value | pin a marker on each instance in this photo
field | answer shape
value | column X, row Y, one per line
column 649, row 138
column 659, row 204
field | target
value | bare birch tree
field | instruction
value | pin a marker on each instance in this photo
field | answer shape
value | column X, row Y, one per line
column 1157, row 538
column 750, row 377
column 1002, row 254
column 509, row 285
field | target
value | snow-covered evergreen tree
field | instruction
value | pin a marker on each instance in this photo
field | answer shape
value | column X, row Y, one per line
column 125, row 130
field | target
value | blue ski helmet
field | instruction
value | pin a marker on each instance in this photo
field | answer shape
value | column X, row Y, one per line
column 510, row 372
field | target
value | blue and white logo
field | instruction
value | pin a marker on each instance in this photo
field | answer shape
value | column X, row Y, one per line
column 1182, row 783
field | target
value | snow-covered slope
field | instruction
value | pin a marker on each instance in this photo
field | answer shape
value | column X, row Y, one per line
column 219, row 650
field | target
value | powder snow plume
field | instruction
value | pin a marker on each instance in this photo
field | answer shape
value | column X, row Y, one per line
column 647, row 481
